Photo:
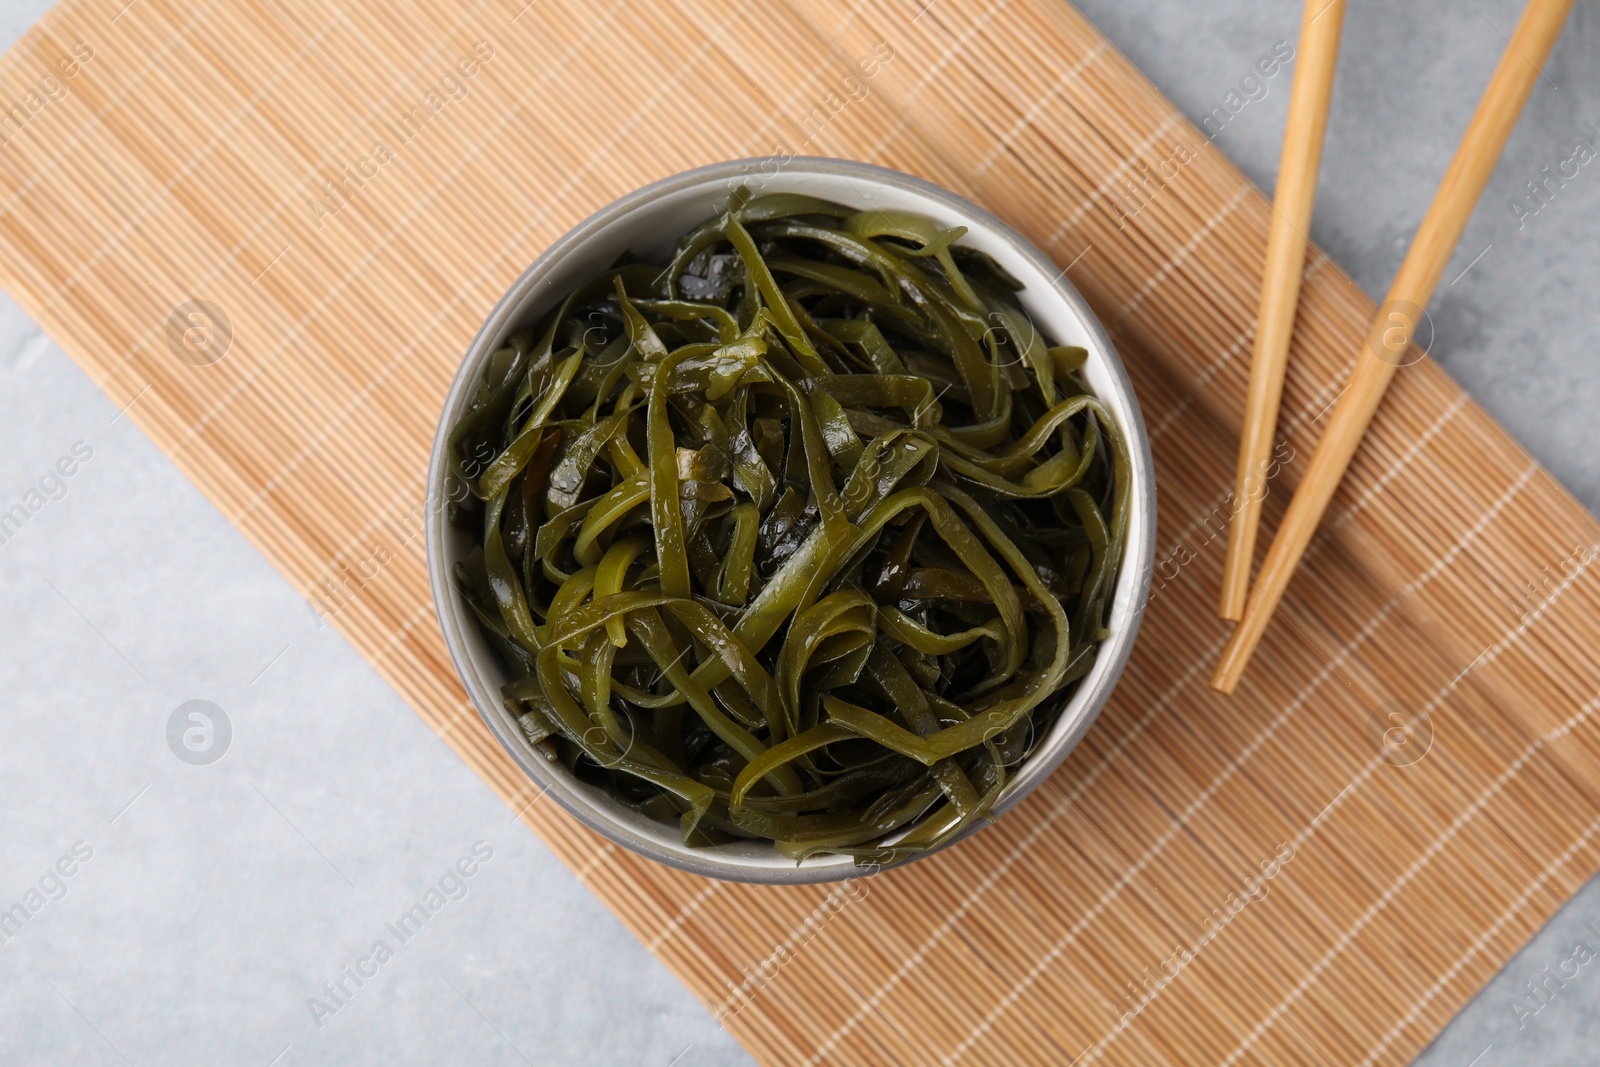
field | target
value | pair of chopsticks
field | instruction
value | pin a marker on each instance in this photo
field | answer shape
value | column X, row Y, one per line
column 1392, row 329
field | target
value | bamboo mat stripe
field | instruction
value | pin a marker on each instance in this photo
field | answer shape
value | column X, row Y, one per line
column 1206, row 881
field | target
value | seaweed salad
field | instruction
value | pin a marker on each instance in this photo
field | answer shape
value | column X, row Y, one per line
column 804, row 536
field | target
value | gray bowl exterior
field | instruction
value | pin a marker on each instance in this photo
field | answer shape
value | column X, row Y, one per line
column 648, row 221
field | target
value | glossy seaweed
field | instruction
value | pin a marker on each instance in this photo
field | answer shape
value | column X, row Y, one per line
column 802, row 537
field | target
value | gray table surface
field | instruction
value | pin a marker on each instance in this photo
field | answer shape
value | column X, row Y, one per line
column 215, row 900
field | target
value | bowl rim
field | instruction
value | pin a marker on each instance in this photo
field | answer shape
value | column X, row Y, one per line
column 1134, row 579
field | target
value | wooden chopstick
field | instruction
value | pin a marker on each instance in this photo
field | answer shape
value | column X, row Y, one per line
column 1397, row 318
column 1320, row 28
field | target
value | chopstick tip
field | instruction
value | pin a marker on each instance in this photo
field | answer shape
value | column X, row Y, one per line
column 1230, row 667
column 1223, row 683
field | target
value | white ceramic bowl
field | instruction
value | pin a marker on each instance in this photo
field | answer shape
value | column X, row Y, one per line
column 649, row 221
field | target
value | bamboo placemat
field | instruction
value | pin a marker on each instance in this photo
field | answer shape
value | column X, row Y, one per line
column 224, row 151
